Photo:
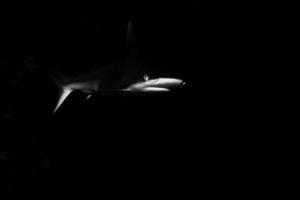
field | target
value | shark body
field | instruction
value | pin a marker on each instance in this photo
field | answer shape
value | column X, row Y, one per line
column 127, row 76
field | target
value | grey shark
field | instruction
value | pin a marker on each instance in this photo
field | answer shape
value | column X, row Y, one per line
column 129, row 75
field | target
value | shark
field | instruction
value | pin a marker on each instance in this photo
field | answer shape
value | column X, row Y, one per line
column 126, row 76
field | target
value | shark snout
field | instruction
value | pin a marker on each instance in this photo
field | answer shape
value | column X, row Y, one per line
column 156, row 85
column 165, row 82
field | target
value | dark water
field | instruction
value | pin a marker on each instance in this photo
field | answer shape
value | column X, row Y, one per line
column 121, row 145
column 117, row 145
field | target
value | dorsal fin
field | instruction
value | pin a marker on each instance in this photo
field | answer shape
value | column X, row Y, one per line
column 130, row 40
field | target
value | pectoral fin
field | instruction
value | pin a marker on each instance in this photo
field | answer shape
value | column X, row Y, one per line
column 63, row 95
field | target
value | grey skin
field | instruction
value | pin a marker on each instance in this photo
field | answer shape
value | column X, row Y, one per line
column 129, row 75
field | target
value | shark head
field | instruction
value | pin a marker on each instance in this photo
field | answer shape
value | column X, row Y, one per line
column 147, row 84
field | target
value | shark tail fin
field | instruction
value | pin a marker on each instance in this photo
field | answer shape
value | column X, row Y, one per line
column 61, row 83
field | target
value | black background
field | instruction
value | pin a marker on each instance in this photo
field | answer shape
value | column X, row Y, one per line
column 193, row 138
column 116, row 145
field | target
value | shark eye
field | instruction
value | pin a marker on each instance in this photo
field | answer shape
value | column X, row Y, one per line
column 146, row 77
